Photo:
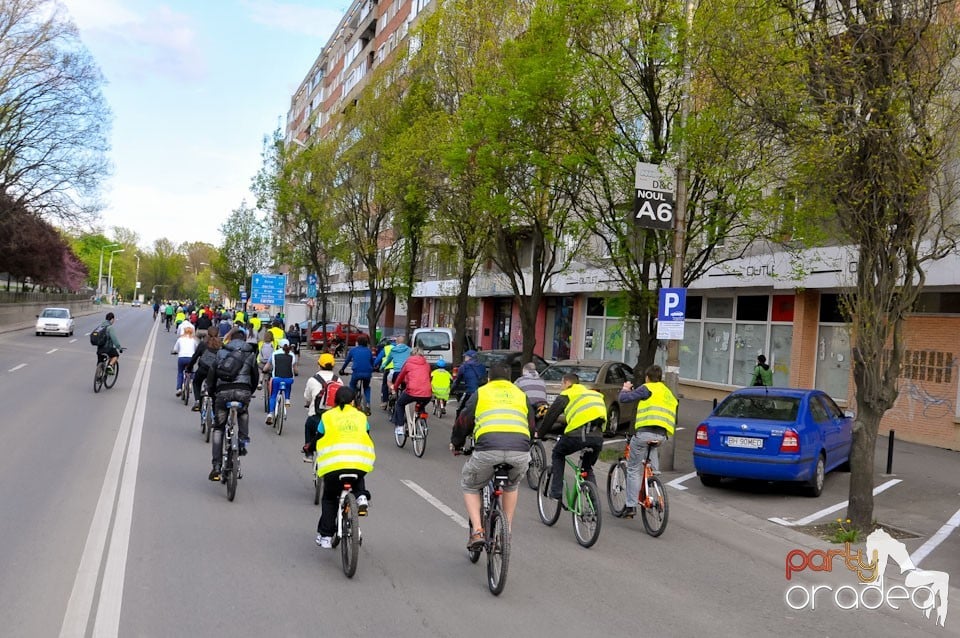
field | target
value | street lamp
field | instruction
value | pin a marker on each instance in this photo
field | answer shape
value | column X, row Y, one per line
column 100, row 271
column 136, row 283
column 110, row 269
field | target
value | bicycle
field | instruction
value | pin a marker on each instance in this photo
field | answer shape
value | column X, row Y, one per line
column 415, row 427
column 652, row 499
column 230, row 465
column 348, row 526
column 496, row 536
column 206, row 413
column 168, row 320
column 581, row 499
column 265, row 387
column 101, row 376
column 185, row 392
column 280, row 408
column 538, row 461
column 360, row 398
column 439, row 406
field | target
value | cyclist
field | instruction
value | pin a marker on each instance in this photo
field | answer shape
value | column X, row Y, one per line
column 656, row 421
column 394, row 361
column 343, row 446
column 531, row 384
column 585, row 413
column 257, row 323
column 315, row 387
column 185, row 347
column 168, row 315
column 440, row 382
column 500, row 420
column 182, row 325
column 204, row 324
column 112, row 347
column 361, row 356
column 156, row 309
column 283, row 366
column 415, row 372
column 470, row 376
column 277, row 331
column 233, row 377
column 203, row 358
column 179, row 317
column 387, row 369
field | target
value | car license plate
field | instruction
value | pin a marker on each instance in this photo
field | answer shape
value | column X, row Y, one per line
column 744, row 441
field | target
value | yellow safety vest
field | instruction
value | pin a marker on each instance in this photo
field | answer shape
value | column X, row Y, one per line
column 239, row 317
column 501, row 407
column 585, row 405
column 256, row 322
column 345, row 444
column 440, row 381
column 659, row 410
column 180, row 318
column 278, row 334
column 386, row 355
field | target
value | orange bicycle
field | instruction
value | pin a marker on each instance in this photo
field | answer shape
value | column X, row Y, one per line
column 652, row 500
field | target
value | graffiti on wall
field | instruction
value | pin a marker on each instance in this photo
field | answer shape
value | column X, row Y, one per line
column 926, row 383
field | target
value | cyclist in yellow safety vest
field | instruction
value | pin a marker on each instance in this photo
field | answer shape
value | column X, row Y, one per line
column 240, row 317
column 257, row 323
column 656, row 421
column 585, row 414
column 440, row 382
column 382, row 356
column 343, row 446
column 277, row 331
column 500, row 419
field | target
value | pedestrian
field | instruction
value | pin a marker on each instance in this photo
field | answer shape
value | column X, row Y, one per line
column 762, row 374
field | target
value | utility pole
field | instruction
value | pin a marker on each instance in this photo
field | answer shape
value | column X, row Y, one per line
column 100, row 270
column 110, row 269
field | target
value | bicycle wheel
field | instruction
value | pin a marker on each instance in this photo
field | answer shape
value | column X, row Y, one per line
column 317, row 486
column 617, row 488
column 587, row 518
column 209, row 414
column 400, row 436
column 231, row 472
column 266, row 394
column 548, row 508
column 281, row 414
column 538, row 459
column 110, row 380
column 98, row 375
column 349, row 535
column 419, row 436
column 498, row 552
column 655, row 518
column 185, row 395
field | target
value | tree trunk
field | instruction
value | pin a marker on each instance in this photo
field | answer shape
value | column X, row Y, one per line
column 862, row 452
column 460, row 316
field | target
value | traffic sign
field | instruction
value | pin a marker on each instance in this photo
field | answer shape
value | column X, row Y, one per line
column 671, row 313
column 653, row 204
column 268, row 289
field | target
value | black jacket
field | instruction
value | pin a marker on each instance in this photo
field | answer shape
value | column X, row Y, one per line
column 246, row 379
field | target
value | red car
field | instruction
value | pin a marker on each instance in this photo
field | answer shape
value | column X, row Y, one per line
column 337, row 334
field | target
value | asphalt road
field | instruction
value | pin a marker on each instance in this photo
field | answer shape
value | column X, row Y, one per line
column 109, row 527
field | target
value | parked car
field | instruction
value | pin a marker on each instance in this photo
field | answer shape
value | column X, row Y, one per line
column 55, row 321
column 606, row 377
column 512, row 358
column 773, row 434
column 336, row 333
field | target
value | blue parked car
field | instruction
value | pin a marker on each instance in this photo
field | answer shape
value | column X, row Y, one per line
column 773, row 434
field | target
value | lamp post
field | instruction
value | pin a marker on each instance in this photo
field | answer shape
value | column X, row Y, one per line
column 136, row 283
column 110, row 269
column 100, row 271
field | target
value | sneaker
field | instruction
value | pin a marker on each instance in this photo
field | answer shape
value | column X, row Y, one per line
column 109, row 370
column 629, row 512
column 196, row 407
column 286, row 404
column 325, row 542
column 178, row 391
column 270, row 420
column 214, row 474
column 308, row 458
column 475, row 543
column 383, row 406
column 362, row 505
column 398, row 430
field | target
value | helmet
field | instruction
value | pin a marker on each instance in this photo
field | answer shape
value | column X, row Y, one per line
column 326, row 359
column 441, row 363
column 283, row 342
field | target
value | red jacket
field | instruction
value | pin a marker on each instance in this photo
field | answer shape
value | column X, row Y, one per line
column 416, row 372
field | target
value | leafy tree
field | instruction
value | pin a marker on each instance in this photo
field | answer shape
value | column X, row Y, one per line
column 859, row 98
column 245, row 249
column 53, row 120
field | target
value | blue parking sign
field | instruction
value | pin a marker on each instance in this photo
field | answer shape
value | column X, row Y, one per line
column 671, row 313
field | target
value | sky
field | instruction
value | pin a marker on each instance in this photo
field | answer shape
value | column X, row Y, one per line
column 194, row 86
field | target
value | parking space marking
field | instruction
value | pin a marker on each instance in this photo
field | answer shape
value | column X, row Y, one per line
column 675, row 483
column 433, row 500
column 52, row 351
column 17, row 367
column 833, row 508
column 936, row 539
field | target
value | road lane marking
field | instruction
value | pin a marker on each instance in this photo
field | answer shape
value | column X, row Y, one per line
column 72, row 340
column 675, row 483
column 433, row 500
column 120, row 476
column 52, row 351
column 17, row 367
column 936, row 539
column 806, row 520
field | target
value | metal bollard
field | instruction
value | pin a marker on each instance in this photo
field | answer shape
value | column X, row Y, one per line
column 714, row 403
column 890, row 439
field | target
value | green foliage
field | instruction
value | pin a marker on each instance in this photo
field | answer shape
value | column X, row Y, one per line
column 244, row 251
column 843, row 532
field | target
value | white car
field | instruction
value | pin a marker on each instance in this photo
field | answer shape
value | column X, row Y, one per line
column 55, row 321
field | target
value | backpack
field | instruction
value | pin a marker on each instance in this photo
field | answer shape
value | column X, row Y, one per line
column 326, row 398
column 229, row 367
column 99, row 336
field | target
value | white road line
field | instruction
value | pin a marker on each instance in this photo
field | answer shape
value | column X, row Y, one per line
column 806, row 520
column 17, row 367
column 433, row 500
column 72, row 340
column 675, row 483
column 103, row 526
column 936, row 539
column 52, row 351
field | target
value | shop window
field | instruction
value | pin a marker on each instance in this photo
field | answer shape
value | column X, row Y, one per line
column 783, row 308
column 833, row 361
column 830, row 310
column 938, row 303
column 752, row 307
column 694, row 308
column 716, row 352
column 596, row 307
column 720, row 307
column 690, row 350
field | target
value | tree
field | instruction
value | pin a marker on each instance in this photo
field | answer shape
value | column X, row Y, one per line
column 53, row 120
column 860, row 98
column 245, row 249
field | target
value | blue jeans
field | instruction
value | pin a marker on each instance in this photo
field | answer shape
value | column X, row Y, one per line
column 355, row 381
column 275, row 390
column 182, row 362
column 638, row 452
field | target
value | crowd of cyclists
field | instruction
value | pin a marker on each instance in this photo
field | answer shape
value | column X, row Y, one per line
column 231, row 356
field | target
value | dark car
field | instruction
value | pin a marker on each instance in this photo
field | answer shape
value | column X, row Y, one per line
column 512, row 358
column 773, row 434
column 606, row 377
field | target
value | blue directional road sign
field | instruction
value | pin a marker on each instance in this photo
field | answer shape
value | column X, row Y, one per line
column 311, row 285
column 268, row 289
column 671, row 313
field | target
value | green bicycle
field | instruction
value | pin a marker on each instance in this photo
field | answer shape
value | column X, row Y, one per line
column 581, row 498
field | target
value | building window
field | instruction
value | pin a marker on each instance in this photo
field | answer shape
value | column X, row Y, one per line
column 608, row 332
